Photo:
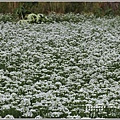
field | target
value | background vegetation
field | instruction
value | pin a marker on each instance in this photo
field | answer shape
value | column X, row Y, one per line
column 97, row 8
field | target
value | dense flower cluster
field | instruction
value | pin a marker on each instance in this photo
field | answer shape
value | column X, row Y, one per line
column 47, row 69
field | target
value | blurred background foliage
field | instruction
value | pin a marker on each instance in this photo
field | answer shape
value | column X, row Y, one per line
column 15, row 11
column 97, row 8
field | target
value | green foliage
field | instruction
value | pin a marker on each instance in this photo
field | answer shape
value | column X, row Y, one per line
column 23, row 8
column 69, row 17
column 21, row 11
column 6, row 18
column 34, row 18
column 98, row 12
column 23, row 22
column 109, row 11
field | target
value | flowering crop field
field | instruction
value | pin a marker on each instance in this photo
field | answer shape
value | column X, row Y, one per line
column 48, row 69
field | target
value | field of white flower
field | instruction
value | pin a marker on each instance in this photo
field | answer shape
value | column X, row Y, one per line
column 52, row 69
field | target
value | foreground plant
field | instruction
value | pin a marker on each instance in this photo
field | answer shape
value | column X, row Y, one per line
column 34, row 18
